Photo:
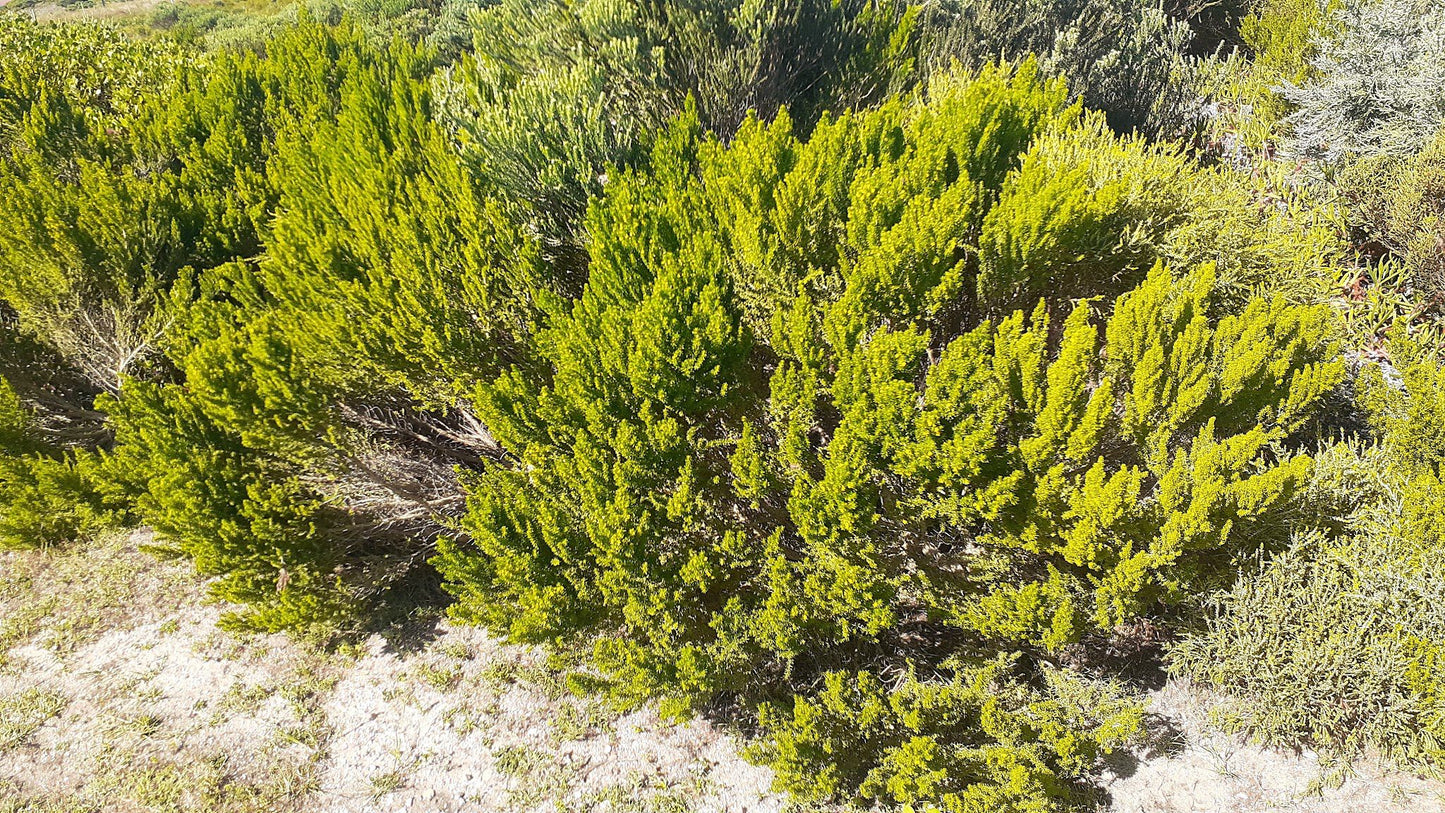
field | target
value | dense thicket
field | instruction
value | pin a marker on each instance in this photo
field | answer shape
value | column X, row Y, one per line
column 1335, row 643
column 558, row 92
column 272, row 264
column 1354, row 613
column 1128, row 58
column 874, row 375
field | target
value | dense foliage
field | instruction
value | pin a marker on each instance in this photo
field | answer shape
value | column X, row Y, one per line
column 1128, row 58
column 767, row 452
column 557, row 92
column 876, row 376
column 1326, row 620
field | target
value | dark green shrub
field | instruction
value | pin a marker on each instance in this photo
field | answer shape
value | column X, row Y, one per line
column 559, row 92
column 242, row 515
column 1128, row 58
column 384, row 280
column 132, row 252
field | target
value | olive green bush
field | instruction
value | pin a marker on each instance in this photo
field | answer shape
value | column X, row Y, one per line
column 977, row 740
column 49, row 494
column 89, row 238
column 387, row 262
column 1127, row 58
column 279, row 453
column 558, row 92
column 1313, row 650
column 1284, row 36
column 102, row 74
column 1397, row 205
column 86, row 250
column 442, row 25
column 185, row 256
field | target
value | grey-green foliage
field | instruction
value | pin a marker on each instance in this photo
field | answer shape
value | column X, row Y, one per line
column 1311, row 650
column 558, row 92
column 1377, row 86
column 1339, row 642
column 1127, row 58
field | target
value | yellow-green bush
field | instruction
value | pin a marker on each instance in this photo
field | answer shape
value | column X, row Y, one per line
column 49, row 495
column 773, row 445
column 877, row 427
column 1084, row 215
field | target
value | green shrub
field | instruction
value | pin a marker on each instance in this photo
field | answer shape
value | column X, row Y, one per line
column 384, row 281
column 1127, row 58
column 1086, row 214
column 775, row 448
column 1337, row 642
column 241, row 514
column 1399, row 204
column 559, row 92
column 879, row 426
column 94, row 68
column 85, row 246
column 1266, row 232
column 48, row 495
column 977, row 741
column 386, row 261
column 1283, row 36
column 50, row 485
column 1280, row 40
column 132, row 253
column 89, row 239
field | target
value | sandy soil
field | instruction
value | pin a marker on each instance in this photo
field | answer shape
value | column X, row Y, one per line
column 163, row 710
column 1194, row 768
column 111, row 10
column 119, row 692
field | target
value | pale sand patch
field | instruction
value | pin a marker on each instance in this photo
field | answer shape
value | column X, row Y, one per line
column 479, row 742
column 159, row 709
column 1209, row 771
column 164, row 710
